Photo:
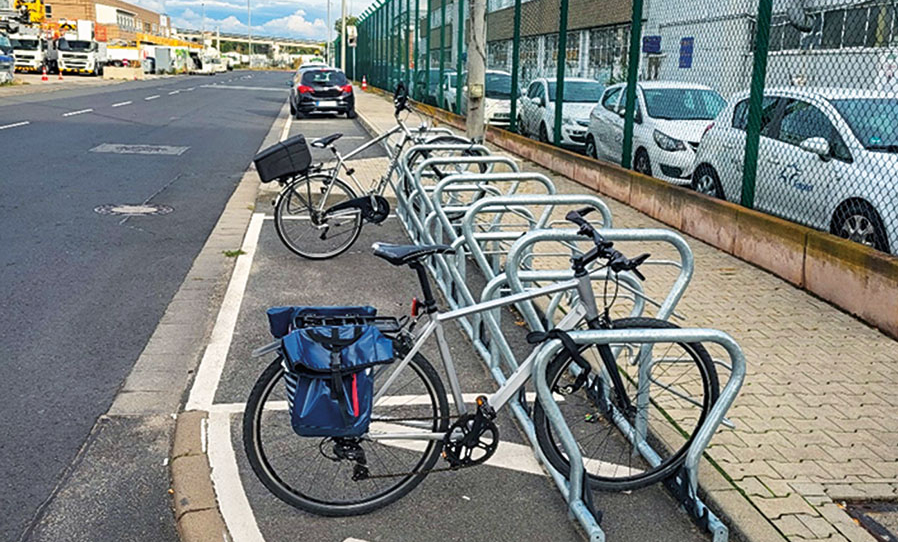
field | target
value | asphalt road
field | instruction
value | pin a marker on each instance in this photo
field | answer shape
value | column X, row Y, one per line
column 82, row 292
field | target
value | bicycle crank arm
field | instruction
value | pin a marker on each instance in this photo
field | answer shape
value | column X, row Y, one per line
column 267, row 349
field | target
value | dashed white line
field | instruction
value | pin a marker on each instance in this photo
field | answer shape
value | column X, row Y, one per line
column 189, row 89
column 120, row 104
column 81, row 112
column 15, row 125
column 172, row 93
column 148, row 98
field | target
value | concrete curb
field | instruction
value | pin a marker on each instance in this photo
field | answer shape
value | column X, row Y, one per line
column 718, row 492
column 193, row 496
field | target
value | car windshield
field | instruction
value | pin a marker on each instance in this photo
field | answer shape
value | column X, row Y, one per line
column 498, row 86
column 72, row 45
column 323, row 78
column 874, row 121
column 578, row 91
column 682, row 103
column 24, row 44
column 5, row 45
column 452, row 80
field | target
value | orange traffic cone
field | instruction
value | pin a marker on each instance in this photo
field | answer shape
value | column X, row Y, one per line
column 44, row 78
column 60, row 74
column 364, row 83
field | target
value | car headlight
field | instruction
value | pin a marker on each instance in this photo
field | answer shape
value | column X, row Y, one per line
column 567, row 120
column 668, row 143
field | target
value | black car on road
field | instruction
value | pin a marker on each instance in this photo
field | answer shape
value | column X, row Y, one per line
column 321, row 90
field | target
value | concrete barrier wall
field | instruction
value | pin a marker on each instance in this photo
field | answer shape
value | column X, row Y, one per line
column 856, row 278
column 113, row 72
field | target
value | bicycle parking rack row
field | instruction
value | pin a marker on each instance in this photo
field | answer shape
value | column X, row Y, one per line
column 480, row 230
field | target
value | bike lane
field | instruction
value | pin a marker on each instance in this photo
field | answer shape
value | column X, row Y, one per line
column 509, row 498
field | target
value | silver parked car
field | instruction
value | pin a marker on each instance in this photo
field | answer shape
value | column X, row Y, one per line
column 7, row 60
column 828, row 158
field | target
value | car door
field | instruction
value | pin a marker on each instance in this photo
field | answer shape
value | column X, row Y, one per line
column 794, row 183
column 526, row 108
column 605, row 118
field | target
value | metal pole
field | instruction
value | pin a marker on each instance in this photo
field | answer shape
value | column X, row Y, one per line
column 755, row 103
column 327, row 53
column 427, row 54
column 460, row 17
column 343, row 38
column 391, row 53
column 417, row 41
column 249, row 31
column 474, row 122
column 407, row 39
column 632, row 73
column 562, row 65
column 515, row 67
column 441, row 100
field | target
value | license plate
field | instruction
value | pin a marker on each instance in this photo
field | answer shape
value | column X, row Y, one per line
column 327, row 103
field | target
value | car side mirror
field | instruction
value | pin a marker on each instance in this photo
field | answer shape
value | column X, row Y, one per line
column 816, row 145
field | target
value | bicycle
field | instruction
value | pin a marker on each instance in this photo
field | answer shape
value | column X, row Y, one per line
column 318, row 215
column 411, row 425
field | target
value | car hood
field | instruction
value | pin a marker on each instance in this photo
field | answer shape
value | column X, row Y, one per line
column 574, row 110
column 687, row 130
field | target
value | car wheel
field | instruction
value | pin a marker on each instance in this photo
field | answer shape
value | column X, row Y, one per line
column 351, row 114
column 706, row 181
column 641, row 163
column 292, row 108
column 591, row 147
column 520, row 127
column 543, row 133
column 298, row 115
column 858, row 221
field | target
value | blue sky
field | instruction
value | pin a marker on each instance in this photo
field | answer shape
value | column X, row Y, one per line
column 302, row 19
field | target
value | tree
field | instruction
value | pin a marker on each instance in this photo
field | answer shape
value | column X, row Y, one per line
column 338, row 25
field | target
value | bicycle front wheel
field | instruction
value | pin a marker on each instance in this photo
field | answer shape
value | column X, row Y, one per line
column 303, row 224
column 669, row 404
column 318, row 474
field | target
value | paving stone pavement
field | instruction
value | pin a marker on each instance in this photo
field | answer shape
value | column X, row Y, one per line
column 816, row 420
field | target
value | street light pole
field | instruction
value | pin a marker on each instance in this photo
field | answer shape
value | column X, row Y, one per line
column 249, row 31
column 343, row 38
column 327, row 39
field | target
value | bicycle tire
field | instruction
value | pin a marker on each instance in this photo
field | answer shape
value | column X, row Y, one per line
column 551, row 448
column 295, row 196
column 275, row 480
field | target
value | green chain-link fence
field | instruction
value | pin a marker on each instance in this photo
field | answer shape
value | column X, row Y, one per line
column 789, row 107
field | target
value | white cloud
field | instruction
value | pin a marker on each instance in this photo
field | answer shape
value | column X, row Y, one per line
column 294, row 25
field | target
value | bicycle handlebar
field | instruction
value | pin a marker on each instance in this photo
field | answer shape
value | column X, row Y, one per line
column 603, row 247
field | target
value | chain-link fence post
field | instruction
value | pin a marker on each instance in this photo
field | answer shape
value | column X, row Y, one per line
column 427, row 66
column 559, row 74
column 417, row 45
column 407, row 39
column 755, row 102
column 515, row 68
column 632, row 80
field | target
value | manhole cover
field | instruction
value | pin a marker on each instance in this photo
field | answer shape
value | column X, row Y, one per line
column 132, row 209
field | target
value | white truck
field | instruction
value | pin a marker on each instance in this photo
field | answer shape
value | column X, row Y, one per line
column 79, row 52
column 33, row 51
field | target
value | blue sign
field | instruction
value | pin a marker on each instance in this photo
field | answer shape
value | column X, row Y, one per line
column 651, row 44
column 686, row 47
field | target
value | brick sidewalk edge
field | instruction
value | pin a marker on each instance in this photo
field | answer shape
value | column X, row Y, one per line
column 723, row 498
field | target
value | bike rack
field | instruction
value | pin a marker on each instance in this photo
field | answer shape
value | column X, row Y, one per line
column 687, row 479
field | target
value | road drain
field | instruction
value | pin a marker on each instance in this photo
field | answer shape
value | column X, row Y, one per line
column 879, row 518
column 133, row 209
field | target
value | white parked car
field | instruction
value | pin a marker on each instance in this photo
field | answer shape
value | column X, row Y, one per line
column 448, row 89
column 669, row 122
column 536, row 110
column 497, row 97
column 828, row 158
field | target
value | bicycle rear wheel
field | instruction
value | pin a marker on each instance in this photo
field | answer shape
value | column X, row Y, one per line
column 309, row 474
column 683, row 386
column 308, row 231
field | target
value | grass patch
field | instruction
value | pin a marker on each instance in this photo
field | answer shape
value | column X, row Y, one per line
column 233, row 253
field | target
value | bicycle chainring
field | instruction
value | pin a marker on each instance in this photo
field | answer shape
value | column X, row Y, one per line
column 471, row 440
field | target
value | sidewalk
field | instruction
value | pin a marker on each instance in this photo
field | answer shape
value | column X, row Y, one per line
column 815, row 420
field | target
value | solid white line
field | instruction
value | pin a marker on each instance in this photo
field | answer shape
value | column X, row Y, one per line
column 148, row 98
column 70, row 113
column 212, row 364
column 121, row 104
column 232, row 500
column 24, row 123
column 286, row 131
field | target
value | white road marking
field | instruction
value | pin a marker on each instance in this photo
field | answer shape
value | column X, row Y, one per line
column 148, row 98
column 189, row 89
column 81, row 112
column 120, row 104
column 174, row 92
column 288, row 218
column 15, row 125
column 116, row 148
column 286, row 131
column 212, row 364
column 232, row 500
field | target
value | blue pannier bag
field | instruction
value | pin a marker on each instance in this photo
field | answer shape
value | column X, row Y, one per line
column 282, row 320
column 329, row 377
